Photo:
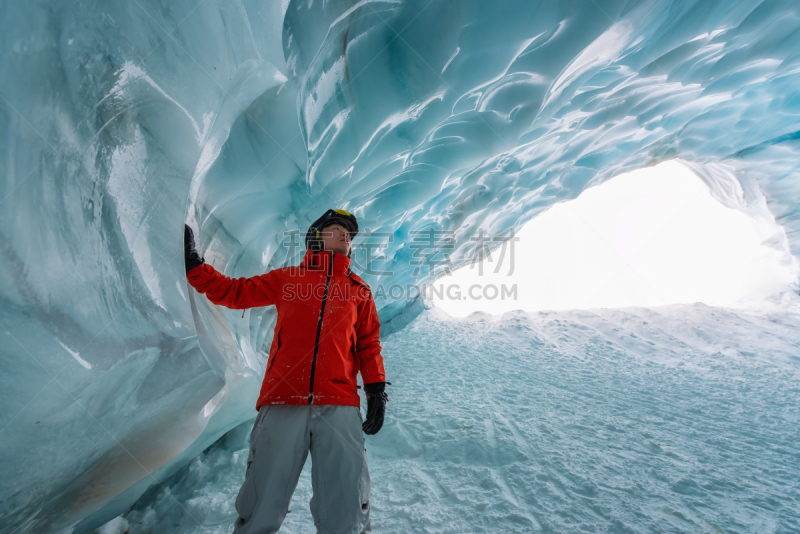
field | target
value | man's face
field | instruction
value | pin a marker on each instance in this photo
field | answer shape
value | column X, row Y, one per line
column 335, row 237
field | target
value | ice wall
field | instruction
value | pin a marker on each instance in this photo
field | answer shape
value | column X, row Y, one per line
column 122, row 120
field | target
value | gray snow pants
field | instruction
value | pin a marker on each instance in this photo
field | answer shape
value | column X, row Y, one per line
column 279, row 444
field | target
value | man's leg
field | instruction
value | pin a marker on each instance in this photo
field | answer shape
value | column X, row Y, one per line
column 279, row 447
column 339, row 472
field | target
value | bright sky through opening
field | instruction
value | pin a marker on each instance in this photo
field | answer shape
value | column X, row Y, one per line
column 650, row 237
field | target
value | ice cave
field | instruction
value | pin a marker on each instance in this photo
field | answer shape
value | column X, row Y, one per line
column 128, row 398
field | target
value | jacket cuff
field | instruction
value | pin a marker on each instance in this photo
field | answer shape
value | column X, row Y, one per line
column 199, row 274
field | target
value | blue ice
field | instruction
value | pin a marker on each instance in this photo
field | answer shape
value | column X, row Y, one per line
column 123, row 120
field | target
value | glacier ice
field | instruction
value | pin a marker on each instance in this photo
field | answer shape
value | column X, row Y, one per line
column 122, row 120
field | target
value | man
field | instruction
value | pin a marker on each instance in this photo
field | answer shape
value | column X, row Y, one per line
column 327, row 331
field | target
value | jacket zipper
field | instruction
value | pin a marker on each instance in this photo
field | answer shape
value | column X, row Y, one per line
column 319, row 330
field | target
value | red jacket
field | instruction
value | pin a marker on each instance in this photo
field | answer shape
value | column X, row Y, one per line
column 327, row 329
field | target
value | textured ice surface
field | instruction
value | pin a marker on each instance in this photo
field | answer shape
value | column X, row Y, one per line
column 121, row 120
column 683, row 418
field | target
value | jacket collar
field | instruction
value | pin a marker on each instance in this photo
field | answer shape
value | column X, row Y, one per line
column 320, row 260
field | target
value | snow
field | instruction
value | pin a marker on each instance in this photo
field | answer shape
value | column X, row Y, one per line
column 681, row 418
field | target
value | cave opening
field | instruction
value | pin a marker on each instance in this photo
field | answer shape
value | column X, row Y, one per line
column 654, row 236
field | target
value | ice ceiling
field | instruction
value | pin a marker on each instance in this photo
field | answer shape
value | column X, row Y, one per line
column 122, row 120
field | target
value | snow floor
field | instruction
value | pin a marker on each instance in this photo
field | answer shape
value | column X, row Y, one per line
column 682, row 418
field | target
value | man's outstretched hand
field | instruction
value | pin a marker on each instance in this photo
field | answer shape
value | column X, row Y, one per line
column 376, row 407
column 190, row 254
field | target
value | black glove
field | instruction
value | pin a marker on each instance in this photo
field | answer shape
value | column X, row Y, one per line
column 190, row 254
column 376, row 407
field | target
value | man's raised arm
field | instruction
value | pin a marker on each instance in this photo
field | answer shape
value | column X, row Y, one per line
column 234, row 293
